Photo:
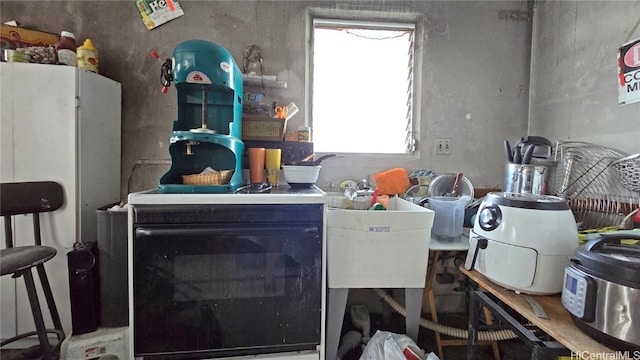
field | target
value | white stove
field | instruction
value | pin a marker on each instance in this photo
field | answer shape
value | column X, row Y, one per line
column 228, row 275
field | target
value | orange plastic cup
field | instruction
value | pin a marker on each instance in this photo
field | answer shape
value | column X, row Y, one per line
column 256, row 165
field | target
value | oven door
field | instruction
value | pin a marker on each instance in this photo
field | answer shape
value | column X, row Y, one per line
column 226, row 285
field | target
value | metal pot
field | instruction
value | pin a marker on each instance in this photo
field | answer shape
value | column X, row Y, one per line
column 601, row 290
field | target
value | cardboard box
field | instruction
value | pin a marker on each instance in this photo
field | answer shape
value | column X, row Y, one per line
column 15, row 37
column 377, row 248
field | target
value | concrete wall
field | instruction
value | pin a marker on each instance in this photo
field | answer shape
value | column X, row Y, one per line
column 475, row 65
column 574, row 73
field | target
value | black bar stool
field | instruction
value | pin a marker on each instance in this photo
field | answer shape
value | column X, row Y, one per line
column 32, row 198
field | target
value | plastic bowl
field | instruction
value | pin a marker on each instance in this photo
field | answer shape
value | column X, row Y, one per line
column 301, row 175
column 443, row 184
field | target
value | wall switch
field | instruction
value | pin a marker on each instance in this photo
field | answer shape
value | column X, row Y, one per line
column 443, row 146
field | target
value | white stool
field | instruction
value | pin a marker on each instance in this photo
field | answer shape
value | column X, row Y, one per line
column 104, row 343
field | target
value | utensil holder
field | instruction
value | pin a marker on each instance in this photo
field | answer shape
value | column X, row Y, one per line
column 537, row 178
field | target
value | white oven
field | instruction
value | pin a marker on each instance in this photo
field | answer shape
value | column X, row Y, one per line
column 227, row 275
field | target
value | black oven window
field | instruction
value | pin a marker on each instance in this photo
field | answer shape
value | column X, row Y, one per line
column 227, row 290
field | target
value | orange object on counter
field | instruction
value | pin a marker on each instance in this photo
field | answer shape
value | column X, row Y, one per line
column 384, row 200
column 392, row 182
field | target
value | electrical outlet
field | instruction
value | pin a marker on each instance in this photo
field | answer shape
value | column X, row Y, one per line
column 443, row 146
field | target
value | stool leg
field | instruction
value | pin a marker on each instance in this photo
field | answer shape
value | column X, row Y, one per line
column 48, row 294
column 45, row 348
column 494, row 344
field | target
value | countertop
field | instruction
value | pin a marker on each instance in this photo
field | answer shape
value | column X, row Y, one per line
column 277, row 195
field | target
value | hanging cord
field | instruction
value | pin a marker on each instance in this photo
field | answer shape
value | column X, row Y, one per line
column 632, row 31
column 496, row 335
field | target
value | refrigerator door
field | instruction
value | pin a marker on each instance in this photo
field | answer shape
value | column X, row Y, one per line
column 59, row 123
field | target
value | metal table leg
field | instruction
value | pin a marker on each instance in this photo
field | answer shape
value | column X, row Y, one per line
column 540, row 349
column 474, row 321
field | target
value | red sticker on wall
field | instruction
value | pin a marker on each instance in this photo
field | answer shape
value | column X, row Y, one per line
column 632, row 57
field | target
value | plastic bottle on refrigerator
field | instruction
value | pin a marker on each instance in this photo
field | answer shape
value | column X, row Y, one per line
column 88, row 56
column 66, row 49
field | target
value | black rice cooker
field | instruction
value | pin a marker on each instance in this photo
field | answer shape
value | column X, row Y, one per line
column 601, row 290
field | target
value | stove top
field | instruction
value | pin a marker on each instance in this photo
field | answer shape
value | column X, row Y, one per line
column 254, row 195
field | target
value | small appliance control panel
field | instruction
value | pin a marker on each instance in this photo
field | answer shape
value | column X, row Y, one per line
column 578, row 294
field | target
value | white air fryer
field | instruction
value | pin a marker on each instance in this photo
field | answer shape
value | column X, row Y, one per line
column 523, row 241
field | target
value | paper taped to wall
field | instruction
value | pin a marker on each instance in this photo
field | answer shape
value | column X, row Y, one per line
column 157, row 12
column 629, row 72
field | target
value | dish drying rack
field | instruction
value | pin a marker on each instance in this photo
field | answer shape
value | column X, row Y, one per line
column 601, row 185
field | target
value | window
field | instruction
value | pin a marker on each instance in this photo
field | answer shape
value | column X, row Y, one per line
column 362, row 86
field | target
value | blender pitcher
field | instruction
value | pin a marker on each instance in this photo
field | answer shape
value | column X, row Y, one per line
column 448, row 218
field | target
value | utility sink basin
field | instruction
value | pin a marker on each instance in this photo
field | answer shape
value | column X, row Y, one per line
column 379, row 248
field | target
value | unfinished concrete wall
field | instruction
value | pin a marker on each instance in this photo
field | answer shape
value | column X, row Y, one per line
column 475, row 72
column 574, row 93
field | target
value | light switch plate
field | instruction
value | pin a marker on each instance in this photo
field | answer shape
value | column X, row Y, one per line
column 442, row 146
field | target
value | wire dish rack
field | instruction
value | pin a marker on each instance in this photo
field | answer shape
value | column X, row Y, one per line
column 601, row 185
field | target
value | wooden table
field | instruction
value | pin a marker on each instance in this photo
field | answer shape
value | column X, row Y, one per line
column 559, row 326
column 436, row 248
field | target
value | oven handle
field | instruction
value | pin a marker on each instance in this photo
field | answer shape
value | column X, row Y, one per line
column 141, row 232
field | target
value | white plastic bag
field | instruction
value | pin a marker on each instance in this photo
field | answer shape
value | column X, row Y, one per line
column 385, row 345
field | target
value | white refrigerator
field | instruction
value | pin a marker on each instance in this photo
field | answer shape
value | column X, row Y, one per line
column 59, row 123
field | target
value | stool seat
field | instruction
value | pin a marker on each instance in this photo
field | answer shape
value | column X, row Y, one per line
column 24, row 257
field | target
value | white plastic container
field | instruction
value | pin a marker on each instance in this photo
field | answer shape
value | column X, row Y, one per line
column 384, row 248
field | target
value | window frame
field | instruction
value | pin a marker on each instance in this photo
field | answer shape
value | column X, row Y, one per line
column 387, row 20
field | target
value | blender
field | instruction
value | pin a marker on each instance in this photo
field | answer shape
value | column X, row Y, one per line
column 206, row 136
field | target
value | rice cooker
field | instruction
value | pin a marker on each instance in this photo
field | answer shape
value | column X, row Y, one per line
column 523, row 241
column 601, row 290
